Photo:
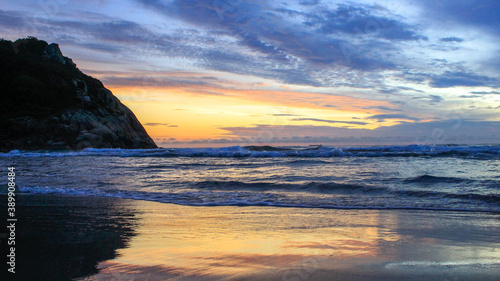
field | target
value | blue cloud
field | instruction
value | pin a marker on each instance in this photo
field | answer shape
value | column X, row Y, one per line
column 483, row 14
column 382, row 108
column 160, row 124
column 312, row 44
column 451, row 79
column 383, row 117
column 302, row 40
column 329, row 121
column 10, row 19
column 360, row 21
column 152, row 80
column 309, row 2
column 452, row 39
column 453, row 131
column 486, row 93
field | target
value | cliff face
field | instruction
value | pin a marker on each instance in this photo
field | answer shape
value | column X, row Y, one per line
column 49, row 104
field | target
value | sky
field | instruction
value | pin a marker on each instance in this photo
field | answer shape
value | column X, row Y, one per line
column 233, row 72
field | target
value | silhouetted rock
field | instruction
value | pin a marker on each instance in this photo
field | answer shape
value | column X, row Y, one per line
column 49, row 104
column 53, row 52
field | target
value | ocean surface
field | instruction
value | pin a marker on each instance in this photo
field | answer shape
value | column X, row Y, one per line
column 464, row 178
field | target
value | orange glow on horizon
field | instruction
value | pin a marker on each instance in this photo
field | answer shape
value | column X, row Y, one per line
column 197, row 112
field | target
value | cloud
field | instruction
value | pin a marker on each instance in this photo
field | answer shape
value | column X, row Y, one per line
column 385, row 108
column 309, row 2
column 284, row 114
column 436, row 98
column 486, row 93
column 11, row 19
column 383, row 117
column 363, row 21
column 294, row 46
column 482, row 14
column 312, row 44
column 451, row 79
column 432, row 98
column 101, row 47
column 329, row 121
column 159, row 124
column 452, row 39
column 159, row 80
column 455, row 130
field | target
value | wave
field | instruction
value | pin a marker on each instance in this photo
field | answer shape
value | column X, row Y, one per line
column 426, row 150
column 487, row 198
column 211, row 198
column 435, row 179
column 262, row 186
column 345, row 188
column 238, row 151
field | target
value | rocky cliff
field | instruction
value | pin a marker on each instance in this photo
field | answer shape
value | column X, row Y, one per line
column 49, row 104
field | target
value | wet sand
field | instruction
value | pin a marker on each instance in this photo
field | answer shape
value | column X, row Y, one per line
column 120, row 239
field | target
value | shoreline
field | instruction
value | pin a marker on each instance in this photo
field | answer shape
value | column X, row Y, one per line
column 85, row 238
column 262, row 205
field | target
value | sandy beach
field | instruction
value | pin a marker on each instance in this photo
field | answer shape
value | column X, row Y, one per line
column 90, row 238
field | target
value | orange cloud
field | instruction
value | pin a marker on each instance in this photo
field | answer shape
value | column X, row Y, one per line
column 214, row 103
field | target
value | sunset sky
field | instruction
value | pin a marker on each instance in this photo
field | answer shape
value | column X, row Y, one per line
column 234, row 72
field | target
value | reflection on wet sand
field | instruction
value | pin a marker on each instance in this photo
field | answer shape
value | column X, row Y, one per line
column 89, row 238
column 61, row 238
column 245, row 243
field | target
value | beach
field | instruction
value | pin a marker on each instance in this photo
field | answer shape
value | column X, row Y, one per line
column 234, row 140
column 64, row 237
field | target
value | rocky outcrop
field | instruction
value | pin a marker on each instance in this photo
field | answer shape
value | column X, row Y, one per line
column 51, row 105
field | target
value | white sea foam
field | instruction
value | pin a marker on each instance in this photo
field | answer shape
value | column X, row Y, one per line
column 237, row 151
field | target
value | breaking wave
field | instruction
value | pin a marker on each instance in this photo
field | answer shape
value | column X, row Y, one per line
column 238, row 151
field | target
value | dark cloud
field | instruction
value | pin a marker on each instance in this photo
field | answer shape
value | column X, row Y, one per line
column 142, row 80
column 382, row 108
column 452, row 79
column 159, row 124
column 329, row 121
column 12, row 19
column 101, row 47
column 293, row 46
column 451, row 39
column 486, row 93
column 436, row 98
column 118, row 31
column 361, row 21
column 309, row 2
column 106, row 31
column 435, row 132
column 398, row 90
column 109, row 35
column 313, row 44
column 383, row 117
column 284, row 114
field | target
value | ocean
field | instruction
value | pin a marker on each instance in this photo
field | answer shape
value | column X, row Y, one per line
column 415, row 177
